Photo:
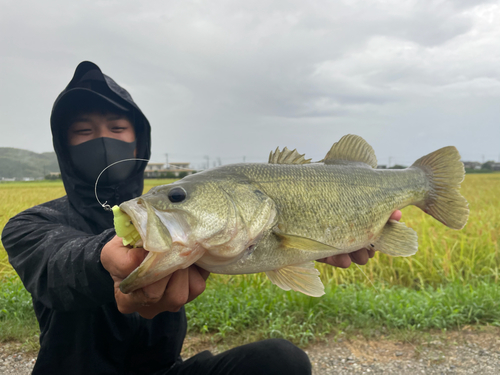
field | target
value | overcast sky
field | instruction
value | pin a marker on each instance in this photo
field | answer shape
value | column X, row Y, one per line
column 235, row 79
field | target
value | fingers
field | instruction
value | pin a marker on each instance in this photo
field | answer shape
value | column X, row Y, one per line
column 128, row 259
column 121, row 260
column 396, row 215
column 183, row 287
column 341, row 260
column 360, row 257
column 177, row 292
column 139, row 299
column 197, row 278
column 128, row 303
column 167, row 294
column 154, row 292
column 204, row 273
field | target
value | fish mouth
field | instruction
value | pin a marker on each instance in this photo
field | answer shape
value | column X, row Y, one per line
column 165, row 235
column 158, row 229
column 156, row 266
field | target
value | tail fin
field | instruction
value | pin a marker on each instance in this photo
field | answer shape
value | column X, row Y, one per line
column 445, row 172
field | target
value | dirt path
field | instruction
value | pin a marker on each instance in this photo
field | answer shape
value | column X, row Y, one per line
column 464, row 352
column 469, row 351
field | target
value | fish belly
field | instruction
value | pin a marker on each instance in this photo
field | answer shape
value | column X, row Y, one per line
column 268, row 255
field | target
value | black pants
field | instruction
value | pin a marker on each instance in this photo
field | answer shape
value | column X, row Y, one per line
column 273, row 356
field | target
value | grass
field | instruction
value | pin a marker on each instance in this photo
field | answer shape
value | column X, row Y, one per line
column 450, row 282
column 18, row 196
column 250, row 309
column 241, row 309
column 17, row 320
column 444, row 255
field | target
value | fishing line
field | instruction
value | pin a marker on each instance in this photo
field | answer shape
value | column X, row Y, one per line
column 363, row 272
column 104, row 205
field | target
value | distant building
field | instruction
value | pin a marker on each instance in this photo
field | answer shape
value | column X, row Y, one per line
column 472, row 165
column 158, row 170
column 495, row 167
column 151, row 167
column 181, row 165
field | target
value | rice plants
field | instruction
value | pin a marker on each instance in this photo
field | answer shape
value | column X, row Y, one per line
column 451, row 281
column 444, row 255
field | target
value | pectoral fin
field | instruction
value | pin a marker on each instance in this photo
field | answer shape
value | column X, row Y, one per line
column 301, row 243
column 302, row 278
column 397, row 240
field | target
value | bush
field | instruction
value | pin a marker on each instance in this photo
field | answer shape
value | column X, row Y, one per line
column 488, row 165
column 53, row 177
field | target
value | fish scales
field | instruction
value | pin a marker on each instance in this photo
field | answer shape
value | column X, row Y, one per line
column 279, row 217
column 342, row 203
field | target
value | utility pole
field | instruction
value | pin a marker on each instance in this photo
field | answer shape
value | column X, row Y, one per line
column 244, row 158
column 208, row 161
column 166, row 164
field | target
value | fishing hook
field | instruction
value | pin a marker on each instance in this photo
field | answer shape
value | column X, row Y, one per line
column 105, row 205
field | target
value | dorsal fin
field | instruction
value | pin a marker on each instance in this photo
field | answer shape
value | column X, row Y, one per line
column 287, row 157
column 351, row 148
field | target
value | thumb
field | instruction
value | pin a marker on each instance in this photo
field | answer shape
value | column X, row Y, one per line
column 121, row 260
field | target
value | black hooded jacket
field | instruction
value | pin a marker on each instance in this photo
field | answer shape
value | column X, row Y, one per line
column 55, row 248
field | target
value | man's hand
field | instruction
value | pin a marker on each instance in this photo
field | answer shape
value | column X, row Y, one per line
column 360, row 257
column 168, row 294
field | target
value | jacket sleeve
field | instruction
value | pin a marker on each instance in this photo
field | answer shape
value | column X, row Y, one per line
column 58, row 264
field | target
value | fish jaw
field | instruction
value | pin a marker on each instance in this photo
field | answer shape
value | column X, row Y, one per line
column 165, row 235
column 158, row 230
column 158, row 265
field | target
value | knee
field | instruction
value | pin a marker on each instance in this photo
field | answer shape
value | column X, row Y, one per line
column 289, row 357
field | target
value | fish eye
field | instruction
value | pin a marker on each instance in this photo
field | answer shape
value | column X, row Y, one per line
column 177, row 195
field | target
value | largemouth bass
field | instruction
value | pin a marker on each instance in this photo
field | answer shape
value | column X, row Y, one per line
column 279, row 217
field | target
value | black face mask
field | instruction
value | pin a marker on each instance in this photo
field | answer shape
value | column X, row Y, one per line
column 91, row 157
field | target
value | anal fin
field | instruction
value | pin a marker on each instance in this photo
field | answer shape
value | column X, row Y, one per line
column 302, row 278
column 397, row 240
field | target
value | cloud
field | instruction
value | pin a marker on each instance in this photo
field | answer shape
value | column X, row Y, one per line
column 230, row 79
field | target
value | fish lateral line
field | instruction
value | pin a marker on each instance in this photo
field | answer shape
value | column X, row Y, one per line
column 346, row 182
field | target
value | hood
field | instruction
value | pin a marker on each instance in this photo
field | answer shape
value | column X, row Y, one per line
column 89, row 83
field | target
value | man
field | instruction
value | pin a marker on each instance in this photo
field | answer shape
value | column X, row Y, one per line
column 70, row 260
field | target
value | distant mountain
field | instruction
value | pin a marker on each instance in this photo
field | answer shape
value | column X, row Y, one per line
column 18, row 163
